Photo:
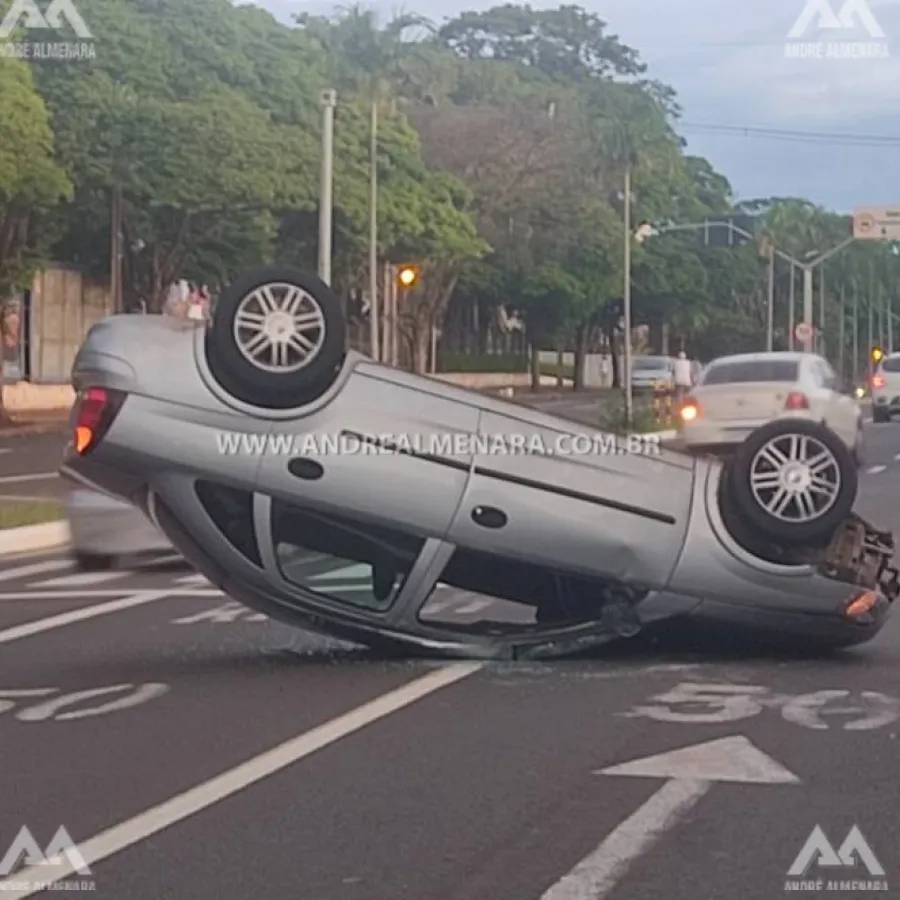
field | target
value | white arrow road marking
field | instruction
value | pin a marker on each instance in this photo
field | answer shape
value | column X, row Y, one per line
column 875, row 470
column 202, row 796
column 690, row 771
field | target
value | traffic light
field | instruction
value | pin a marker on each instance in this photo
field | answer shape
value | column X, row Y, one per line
column 877, row 354
column 407, row 276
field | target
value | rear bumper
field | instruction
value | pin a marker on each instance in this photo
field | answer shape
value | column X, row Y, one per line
column 886, row 401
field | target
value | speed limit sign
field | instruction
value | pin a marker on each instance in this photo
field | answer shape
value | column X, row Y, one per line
column 803, row 332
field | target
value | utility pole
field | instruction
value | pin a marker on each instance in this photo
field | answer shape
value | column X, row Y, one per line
column 791, row 300
column 626, row 299
column 855, row 330
column 329, row 101
column 821, row 343
column 373, row 232
column 841, row 329
column 770, row 309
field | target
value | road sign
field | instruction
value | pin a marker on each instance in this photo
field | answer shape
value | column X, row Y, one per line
column 877, row 223
column 688, row 773
column 804, row 332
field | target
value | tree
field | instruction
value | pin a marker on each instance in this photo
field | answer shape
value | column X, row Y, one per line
column 31, row 181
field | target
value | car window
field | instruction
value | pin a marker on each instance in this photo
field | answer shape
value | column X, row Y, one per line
column 891, row 364
column 232, row 512
column 490, row 577
column 340, row 560
column 649, row 364
column 758, row 370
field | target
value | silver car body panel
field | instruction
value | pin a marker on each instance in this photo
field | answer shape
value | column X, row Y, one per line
column 649, row 520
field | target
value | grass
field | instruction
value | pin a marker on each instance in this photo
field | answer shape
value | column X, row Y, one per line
column 646, row 417
column 18, row 513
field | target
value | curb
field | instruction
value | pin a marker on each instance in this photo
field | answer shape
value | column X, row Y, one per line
column 32, row 429
column 31, row 538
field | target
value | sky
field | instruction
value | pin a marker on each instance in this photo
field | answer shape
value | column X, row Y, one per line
column 825, row 128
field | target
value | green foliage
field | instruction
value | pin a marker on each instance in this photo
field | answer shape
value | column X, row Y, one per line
column 505, row 138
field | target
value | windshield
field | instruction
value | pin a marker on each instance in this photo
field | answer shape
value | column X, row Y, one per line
column 762, row 370
column 651, row 364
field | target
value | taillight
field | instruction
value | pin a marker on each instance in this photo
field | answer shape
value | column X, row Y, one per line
column 690, row 410
column 878, row 381
column 796, row 400
column 95, row 410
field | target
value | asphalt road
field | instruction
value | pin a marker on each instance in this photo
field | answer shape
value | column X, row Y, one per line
column 29, row 464
column 193, row 749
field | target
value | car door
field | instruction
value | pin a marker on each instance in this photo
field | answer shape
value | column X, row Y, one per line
column 603, row 508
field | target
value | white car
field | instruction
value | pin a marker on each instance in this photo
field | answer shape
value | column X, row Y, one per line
column 737, row 394
column 656, row 373
column 886, row 388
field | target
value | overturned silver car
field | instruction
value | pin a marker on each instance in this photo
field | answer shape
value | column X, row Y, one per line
column 321, row 489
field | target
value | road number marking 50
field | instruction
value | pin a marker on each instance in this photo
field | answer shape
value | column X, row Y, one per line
column 693, row 703
column 59, row 708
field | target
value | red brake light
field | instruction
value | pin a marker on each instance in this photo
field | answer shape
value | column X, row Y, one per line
column 95, row 410
column 878, row 381
column 796, row 400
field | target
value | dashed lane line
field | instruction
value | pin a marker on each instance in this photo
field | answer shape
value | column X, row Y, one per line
column 80, row 615
column 199, row 798
column 875, row 470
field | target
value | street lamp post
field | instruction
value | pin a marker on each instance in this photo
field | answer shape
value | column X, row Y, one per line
column 329, row 101
column 626, row 299
column 373, row 233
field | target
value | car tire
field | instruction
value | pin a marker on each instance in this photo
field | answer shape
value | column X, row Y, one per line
column 880, row 415
column 94, row 562
column 769, row 458
column 259, row 348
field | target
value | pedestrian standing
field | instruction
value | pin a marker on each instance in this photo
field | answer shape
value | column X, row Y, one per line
column 683, row 376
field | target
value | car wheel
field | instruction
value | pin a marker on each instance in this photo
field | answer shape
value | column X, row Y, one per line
column 793, row 481
column 277, row 338
column 94, row 562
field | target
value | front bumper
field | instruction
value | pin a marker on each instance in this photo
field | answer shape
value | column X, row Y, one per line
column 800, row 628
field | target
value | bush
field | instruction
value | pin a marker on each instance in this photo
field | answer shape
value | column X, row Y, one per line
column 483, row 362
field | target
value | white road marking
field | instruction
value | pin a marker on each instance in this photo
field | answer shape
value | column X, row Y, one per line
column 38, row 568
column 18, row 632
column 197, row 579
column 5, row 450
column 875, row 470
column 202, row 796
column 80, row 579
column 691, row 772
column 180, row 594
column 34, row 476
column 227, row 612
column 51, row 708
